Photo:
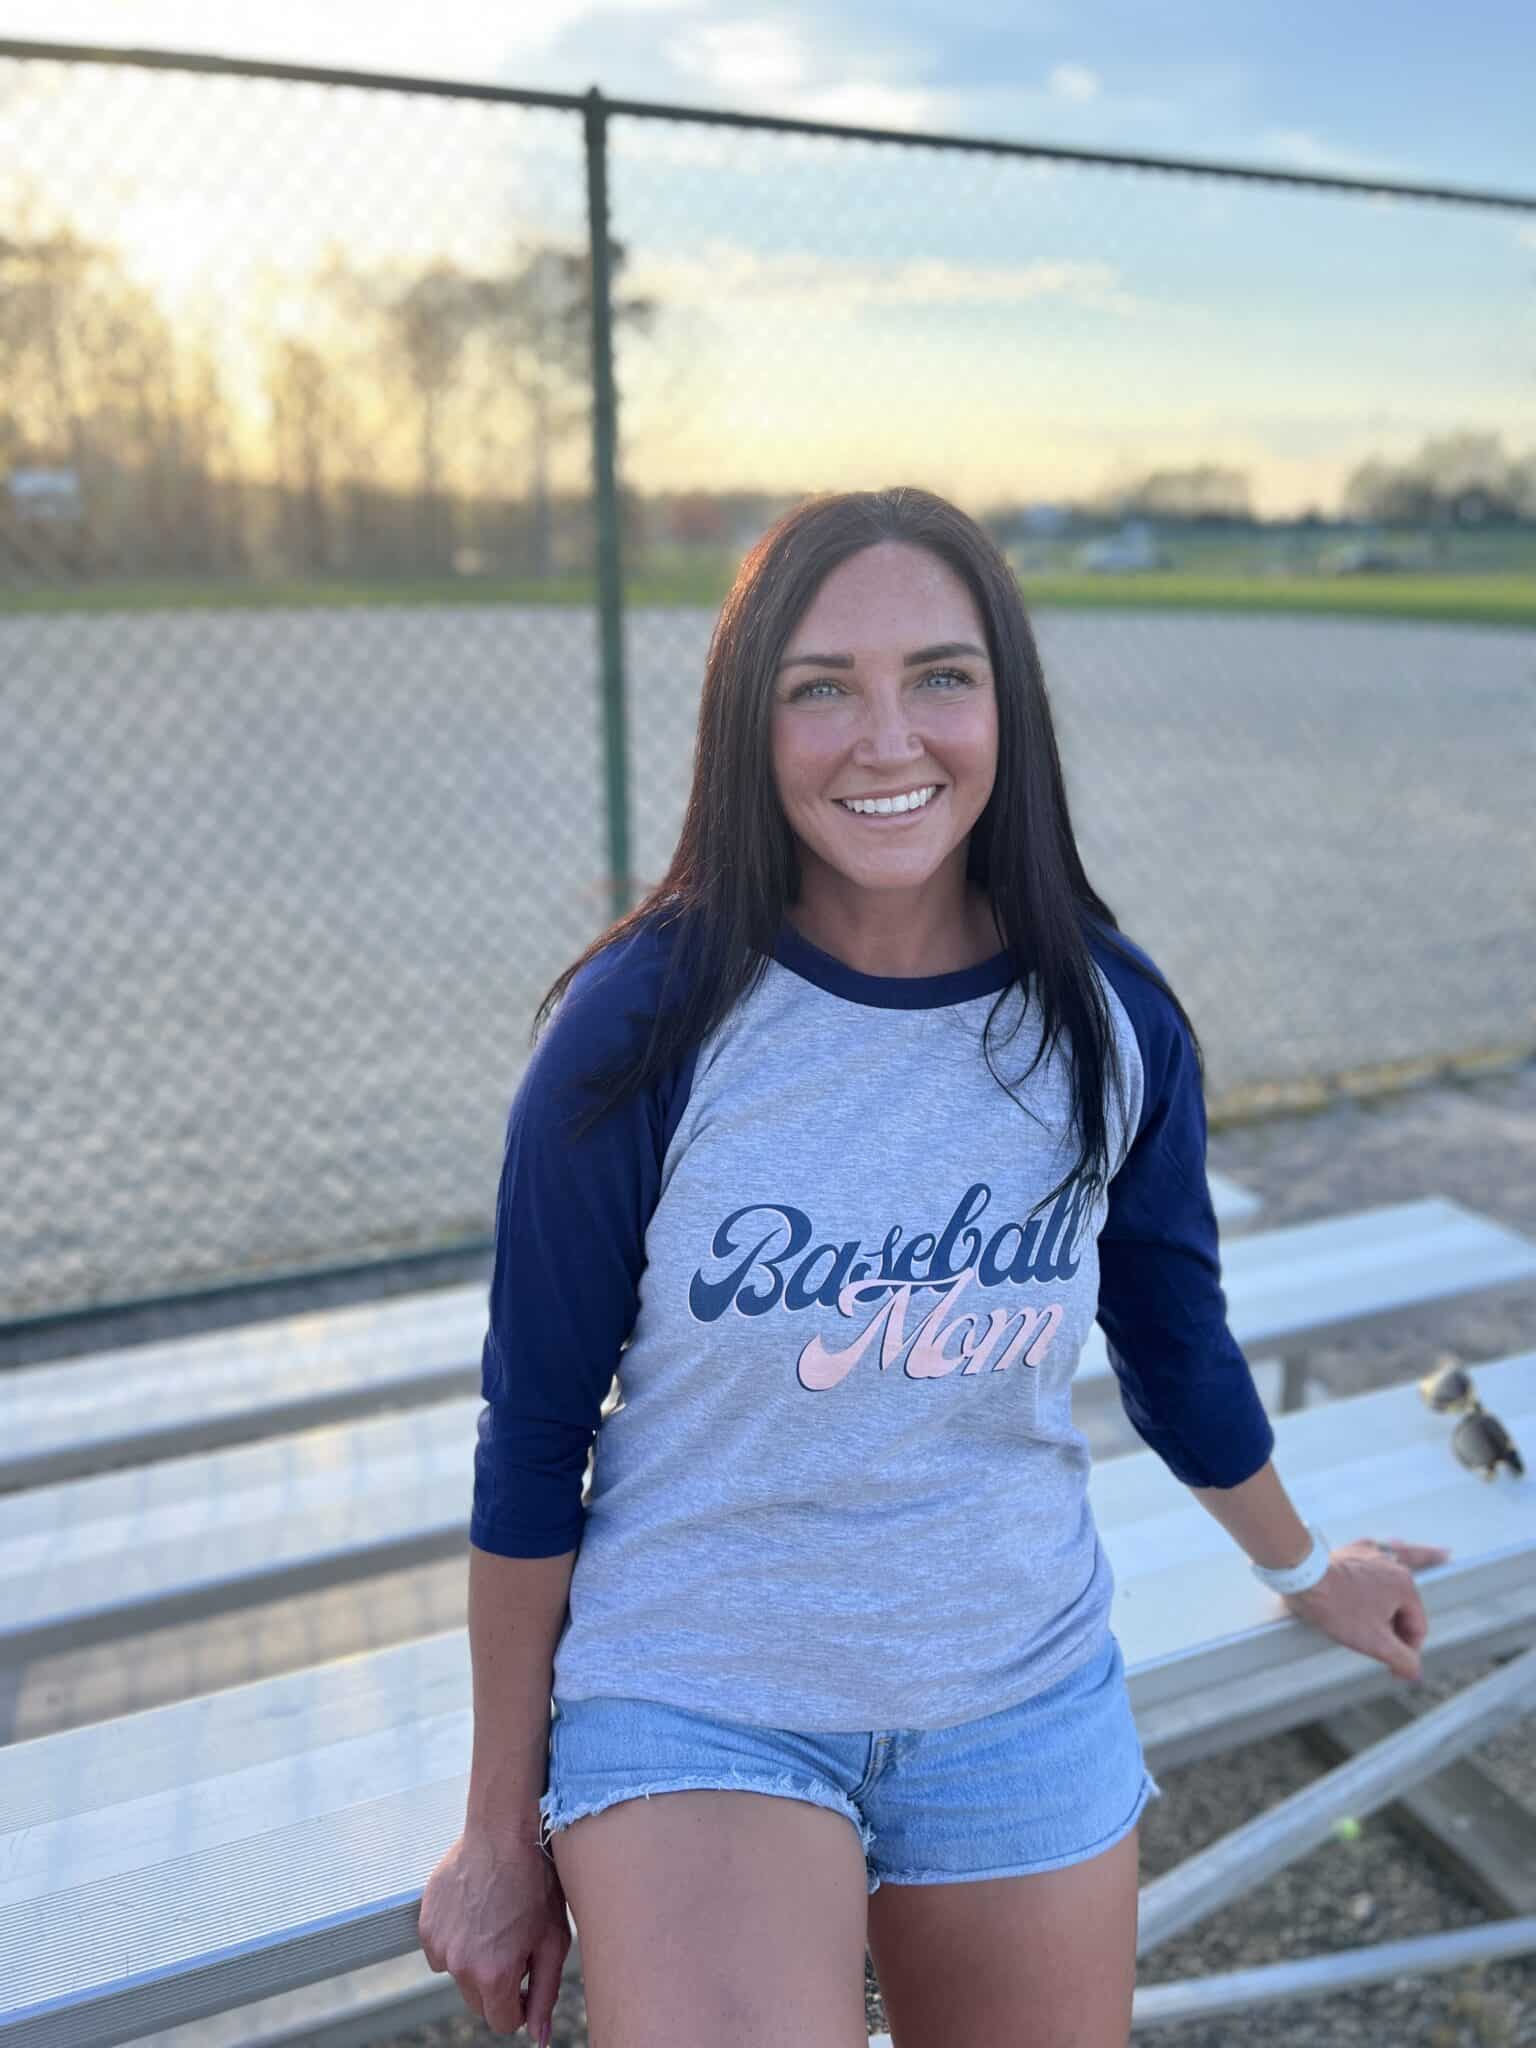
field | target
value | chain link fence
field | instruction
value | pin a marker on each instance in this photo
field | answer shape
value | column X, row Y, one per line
column 350, row 659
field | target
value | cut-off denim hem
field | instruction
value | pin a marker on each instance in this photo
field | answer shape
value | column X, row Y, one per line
column 554, row 1815
column 1150, row 1789
column 1052, row 1780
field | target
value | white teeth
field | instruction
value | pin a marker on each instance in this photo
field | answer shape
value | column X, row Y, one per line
column 883, row 806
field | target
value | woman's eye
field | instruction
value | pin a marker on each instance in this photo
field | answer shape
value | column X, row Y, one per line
column 951, row 675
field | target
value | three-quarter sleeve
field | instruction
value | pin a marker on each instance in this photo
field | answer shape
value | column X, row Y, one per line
column 571, row 1216
column 1185, row 1384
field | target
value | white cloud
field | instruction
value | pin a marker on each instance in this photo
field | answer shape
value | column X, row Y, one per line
column 785, row 66
column 756, row 58
column 722, row 272
column 1073, row 82
column 1298, row 149
column 868, row 104
column 453, row 39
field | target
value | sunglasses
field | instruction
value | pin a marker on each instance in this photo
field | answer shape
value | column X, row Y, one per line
column 1480, row 1440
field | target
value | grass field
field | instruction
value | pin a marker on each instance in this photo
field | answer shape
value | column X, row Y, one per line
column 1464, row 598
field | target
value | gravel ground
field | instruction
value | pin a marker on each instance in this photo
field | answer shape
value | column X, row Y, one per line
column 281, row 890
column 1472, row 1139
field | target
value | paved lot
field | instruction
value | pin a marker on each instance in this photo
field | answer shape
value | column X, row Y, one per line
column 281, row 889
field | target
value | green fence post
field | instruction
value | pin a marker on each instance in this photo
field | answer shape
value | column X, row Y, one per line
column 610, row 584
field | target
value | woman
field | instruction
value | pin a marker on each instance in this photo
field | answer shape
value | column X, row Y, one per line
column 838, row 1548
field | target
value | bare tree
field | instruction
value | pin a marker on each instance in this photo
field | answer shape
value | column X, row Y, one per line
column 530, row 328
column 43, row 279
column 1433, row 487
column 427, row 322
column 537, row 318
column 94, row 376
column 299, row 381
column 1203, row 491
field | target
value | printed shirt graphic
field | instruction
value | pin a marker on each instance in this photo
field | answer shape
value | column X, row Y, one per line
column 841, row 1488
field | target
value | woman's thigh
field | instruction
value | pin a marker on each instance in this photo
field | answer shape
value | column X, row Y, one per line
column 1047, row 1961
column 713, row 1916
column 668, row 1850
column 1008, row 1857
column 716, row 1876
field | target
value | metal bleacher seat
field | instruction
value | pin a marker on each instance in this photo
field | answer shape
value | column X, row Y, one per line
column 157, row 1400
column 204, row 1534
column 270, row 1842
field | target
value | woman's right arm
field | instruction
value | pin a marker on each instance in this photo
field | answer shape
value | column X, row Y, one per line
column 571, row 1216
column 517, row 1608
column 563, row 1298
column 493, row 1912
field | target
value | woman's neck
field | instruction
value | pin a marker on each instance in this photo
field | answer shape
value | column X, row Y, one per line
column 898, row 946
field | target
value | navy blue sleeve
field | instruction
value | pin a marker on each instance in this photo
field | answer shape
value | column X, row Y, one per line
column 1184, row 1383
column 571, row 1216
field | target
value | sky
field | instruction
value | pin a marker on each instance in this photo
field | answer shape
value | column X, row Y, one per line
column 839, row 314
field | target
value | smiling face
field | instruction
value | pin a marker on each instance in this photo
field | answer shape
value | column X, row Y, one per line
column 865, row 719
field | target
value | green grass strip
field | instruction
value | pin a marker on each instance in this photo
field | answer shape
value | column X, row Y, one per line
column 1499, row 600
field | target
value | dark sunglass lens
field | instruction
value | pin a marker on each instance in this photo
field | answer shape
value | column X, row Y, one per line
column 1447, row 1388
column 1482, row 1443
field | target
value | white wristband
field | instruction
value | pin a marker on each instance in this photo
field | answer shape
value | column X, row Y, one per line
column 1297, row 1578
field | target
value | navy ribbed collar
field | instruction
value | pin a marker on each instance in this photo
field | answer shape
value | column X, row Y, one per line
column 890, row 991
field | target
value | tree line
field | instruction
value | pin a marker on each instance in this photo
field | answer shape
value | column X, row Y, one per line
column 434, row 420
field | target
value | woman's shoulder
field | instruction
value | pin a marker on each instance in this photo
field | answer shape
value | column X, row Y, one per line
column 631, row 962
column 1119, row 956
column 615, row 993
column 1136, row 979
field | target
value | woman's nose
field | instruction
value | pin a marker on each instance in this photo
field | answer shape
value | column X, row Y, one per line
column 888, row 733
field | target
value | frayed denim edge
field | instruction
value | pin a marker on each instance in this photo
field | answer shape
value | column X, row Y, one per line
column 1150, row 1789
column 554, row 1814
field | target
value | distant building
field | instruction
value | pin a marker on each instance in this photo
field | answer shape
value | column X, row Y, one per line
column 697, row 518
column 1132, row 548
column 45, row 493
column 1041, row 518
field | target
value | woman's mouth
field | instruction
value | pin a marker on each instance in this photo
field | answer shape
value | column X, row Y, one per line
column 894, row 811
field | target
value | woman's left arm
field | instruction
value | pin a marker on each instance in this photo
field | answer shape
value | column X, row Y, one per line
column 1185, row 1384
column 1366, row 1599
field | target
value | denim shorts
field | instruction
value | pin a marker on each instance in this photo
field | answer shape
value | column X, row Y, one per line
column 1054, row 1780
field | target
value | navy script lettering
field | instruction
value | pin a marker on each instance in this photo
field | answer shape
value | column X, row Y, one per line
column 774, row 1261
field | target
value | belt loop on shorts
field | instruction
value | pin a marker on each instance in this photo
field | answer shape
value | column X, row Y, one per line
column 880, row 1751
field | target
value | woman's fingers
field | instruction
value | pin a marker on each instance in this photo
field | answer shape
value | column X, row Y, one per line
column 1417, row 1555
column 1379, row 1612
column 1410, row 1626
column 1400, row 1664
column 1411, row 1622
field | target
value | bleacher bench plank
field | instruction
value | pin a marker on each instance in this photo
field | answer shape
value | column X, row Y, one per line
column 159, row 1400
column 211, row 1533
column 1306, row 1279
column 1234, row 1204
column 194, row 1535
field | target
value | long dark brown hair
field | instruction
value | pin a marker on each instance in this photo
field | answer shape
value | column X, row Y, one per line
column 736, row 866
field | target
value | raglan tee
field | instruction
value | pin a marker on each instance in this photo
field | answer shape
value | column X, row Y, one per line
column 840, row 1487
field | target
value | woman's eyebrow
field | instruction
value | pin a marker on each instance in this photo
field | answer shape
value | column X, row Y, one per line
column 939, row 653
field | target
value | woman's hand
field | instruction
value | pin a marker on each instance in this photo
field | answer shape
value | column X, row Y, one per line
column 1367, row 1600
column 493, row 1912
